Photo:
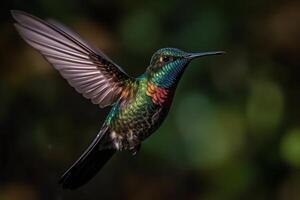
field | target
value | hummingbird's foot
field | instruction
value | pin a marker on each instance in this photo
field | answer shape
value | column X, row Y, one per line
column 134, row 150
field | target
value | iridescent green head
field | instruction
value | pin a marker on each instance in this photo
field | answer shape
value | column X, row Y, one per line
column 167, row 65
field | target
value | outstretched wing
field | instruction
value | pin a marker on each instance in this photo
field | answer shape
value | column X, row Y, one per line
column 86, row 69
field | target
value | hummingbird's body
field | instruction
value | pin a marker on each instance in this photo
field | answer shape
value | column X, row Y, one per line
column 139, row 105
column 133, row 119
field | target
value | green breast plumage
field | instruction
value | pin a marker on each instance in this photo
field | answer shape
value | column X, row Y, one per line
column 132, row 120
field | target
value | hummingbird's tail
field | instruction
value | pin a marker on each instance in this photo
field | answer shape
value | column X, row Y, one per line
column 89, row 163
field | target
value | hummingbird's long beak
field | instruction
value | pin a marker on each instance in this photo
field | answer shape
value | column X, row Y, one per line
column 198, row 55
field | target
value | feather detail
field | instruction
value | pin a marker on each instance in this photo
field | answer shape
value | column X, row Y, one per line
column 158, row 95
column 86, row 69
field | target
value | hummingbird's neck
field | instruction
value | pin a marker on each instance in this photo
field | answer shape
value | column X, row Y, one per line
column 166, row 76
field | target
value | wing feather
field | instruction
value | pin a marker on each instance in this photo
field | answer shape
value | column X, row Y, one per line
column 86, row 69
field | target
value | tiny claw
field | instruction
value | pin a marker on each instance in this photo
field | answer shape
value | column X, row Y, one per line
column 135, row 149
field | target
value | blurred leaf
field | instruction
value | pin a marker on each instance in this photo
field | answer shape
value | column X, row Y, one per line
column 211, row 137
column 290, row 147
column 264, row 107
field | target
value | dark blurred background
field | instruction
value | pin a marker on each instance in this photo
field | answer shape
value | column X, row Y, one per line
column 234, row 128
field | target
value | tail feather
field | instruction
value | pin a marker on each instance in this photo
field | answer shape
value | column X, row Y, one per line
column 87, row 166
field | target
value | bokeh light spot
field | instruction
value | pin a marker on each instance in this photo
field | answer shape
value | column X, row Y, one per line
column 265, row 106
column 211, row 135
column 290, row 147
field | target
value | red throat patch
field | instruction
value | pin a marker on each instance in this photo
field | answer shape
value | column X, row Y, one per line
column 157, row 94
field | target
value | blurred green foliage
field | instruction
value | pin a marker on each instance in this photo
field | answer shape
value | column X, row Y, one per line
column 233, row 131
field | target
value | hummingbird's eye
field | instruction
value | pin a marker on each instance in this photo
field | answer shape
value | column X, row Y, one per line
column 165, row 59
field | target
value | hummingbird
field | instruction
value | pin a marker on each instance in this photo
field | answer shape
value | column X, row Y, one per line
column 139, row 105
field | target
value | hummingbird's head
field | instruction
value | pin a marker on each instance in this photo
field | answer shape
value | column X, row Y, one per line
column 168, row 64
